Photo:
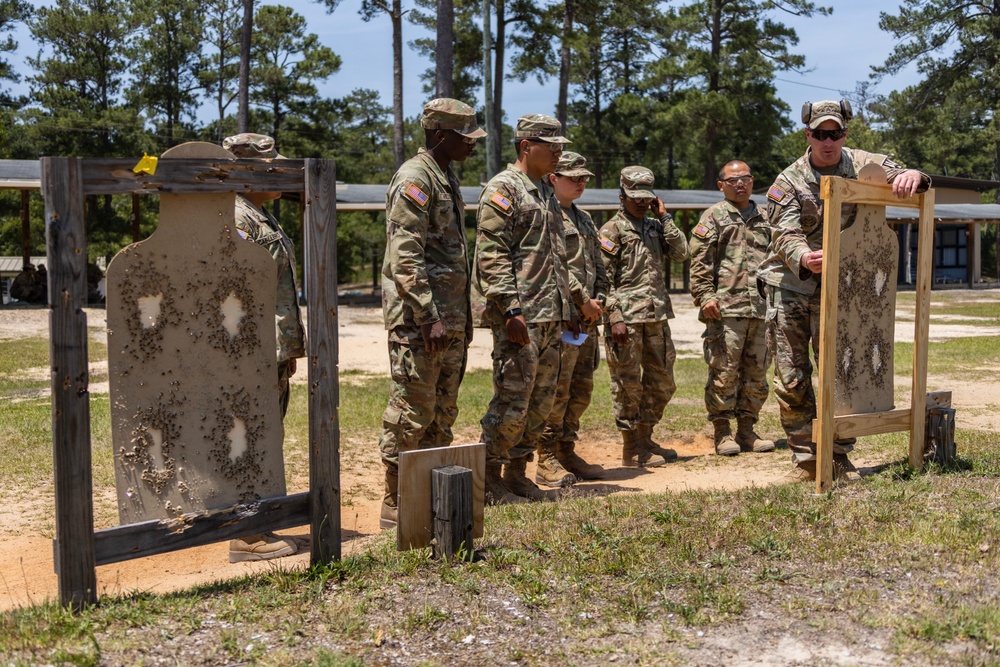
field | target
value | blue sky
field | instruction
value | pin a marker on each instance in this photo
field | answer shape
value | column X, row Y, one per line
column 840, row 50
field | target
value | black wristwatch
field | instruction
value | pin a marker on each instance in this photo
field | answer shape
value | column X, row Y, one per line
column 513, row 312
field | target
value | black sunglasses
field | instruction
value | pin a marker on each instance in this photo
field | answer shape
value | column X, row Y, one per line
column 823, row 135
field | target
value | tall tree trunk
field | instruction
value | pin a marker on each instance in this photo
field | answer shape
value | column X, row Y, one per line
column 444, row 50
column 564, row 62
column 498, row 70
column 492, row 144
column 243, row 116
column 710, row 176
column 398, row 146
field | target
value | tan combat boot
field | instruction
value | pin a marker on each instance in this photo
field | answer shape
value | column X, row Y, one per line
column 644, row 439
column 844, row 470
column 496, row 492
column 747, row 438
column 550, row 471
column 515, row 478
column 634, row 456
column 261, row 547
column 725, row 444
column 565, row 452
column 804, row 471
column 387, row 519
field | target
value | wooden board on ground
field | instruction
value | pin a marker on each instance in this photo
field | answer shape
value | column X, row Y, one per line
column 869, row 262
column 415, row 525
column 191, row 360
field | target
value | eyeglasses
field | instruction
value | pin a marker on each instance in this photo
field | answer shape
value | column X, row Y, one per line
column 823, row 135
column 471, row 141
column 642, row 201
column 746, row 179
column 576, row 179
column 554, row 147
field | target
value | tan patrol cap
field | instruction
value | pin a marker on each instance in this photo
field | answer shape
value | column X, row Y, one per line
column 815, row 113
column 635, row 180
column 540, row 126
column 445, row 113
column 251, row 145
column 572, row 164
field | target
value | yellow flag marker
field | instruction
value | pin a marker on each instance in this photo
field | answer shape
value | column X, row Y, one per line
column 147, row 165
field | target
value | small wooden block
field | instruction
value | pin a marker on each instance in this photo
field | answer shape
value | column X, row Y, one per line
column 415, row 526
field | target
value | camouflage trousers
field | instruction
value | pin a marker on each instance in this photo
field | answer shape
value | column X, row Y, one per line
column 738, row 358
column 792, row 332
column 642, row 373
column 423, row 396
column 524, row 388
column 575, row 386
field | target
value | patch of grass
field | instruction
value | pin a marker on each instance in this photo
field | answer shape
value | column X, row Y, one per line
column 974, row 358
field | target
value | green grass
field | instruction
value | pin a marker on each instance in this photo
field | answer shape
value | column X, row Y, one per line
column 968, row 358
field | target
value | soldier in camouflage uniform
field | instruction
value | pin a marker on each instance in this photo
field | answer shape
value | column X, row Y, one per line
column 521, row 282
column 425, row 291
column 589, row 286
column 727, row 246
column 793, row 266
column 259, row 226
column 639, row 348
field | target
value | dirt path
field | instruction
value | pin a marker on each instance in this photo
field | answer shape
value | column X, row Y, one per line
column 26, row 519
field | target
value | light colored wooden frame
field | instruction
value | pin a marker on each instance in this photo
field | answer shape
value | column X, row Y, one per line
column 78, row 549
column 835, row 192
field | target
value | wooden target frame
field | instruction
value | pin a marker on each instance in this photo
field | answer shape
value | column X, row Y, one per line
column 78, row 549
column 836, row 191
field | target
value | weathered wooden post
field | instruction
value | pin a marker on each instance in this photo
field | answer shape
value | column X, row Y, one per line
column 451, row 497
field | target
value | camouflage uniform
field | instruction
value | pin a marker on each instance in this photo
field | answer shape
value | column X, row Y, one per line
column 425, row 279
column 642, row 370
column 795, row 213
column 260, row 227
column 520, row 264
column 726, row 249
column 587, row 281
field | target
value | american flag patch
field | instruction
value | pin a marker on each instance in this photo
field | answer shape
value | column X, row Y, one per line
column 701, row 231
column 242, row 233
column 502, row 202
column 608, row 244
column 775, row 193
column 416, row 194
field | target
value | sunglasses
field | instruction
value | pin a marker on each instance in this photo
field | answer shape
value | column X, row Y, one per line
column 823, row 135
column 471, row 141
column 555, row 148
column 736, row 180
column 642, row 201
column 576, row 179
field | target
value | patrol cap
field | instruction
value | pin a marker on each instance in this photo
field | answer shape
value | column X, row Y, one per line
column 815, row 113
column 572, row 164
column 635, row 180
column 445, row 113
column 249, row 144
column 540, row 126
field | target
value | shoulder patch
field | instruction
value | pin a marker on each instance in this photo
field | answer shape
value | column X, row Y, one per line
column 776, row 194
column 500, row 201
column 415, row 194
column 242, row 233
column 608, row 245
column 700, row 230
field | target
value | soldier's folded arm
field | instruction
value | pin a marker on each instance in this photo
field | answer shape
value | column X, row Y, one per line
column 407, row 224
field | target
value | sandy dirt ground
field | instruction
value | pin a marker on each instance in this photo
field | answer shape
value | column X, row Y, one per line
column 27, row 520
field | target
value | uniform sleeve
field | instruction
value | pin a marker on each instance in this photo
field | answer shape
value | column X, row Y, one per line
column 611, row 260
column 494, row 237
column 894, row 169
column 407, row 218
column 704, row 253
column 674, row 244
column 784, row 213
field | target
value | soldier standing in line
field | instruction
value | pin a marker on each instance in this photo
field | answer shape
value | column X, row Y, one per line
column 259, row 226
column 425, row 291
column 793, row 267
column 578, row 362
column 520, row 271
column 639, row 348
column 727, row 245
